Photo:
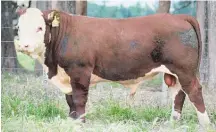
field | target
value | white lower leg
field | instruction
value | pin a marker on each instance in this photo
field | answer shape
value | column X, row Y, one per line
column 175, row 115
column 203, row 118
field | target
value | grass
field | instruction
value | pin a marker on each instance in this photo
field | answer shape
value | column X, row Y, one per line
column 25, row 61
column 15, row 106
column 155, row 81
column 28, row 105
column 114, row 111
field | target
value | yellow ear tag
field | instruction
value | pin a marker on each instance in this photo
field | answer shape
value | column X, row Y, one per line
column 55, row 22
column 50, row 16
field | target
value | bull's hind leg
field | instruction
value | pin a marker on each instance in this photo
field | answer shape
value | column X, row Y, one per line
column 178, row 97
column 193, row 89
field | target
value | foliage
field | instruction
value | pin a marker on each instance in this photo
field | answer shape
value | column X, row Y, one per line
column 118, row 11
column 25, row 61
column 184, row 7
column 179, row 7
column 115, row 111
column 15, row 107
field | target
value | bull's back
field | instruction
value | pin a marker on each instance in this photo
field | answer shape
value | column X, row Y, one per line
column 126, row 47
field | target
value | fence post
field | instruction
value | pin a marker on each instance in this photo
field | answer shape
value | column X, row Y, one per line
column 164, row 88
column 45, row 82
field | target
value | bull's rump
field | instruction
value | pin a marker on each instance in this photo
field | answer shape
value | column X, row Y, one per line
column 124, row 49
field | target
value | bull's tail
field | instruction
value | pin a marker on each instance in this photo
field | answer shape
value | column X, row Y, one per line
column 195, row 25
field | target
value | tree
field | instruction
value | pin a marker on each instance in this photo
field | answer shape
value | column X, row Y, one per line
column 138, row 8
column 164, row 6
column 81, row 8
column 9, row 58
column 202, row 18
column 206, row 17
column 184, row 7
column 66, row 6
column 212, row 43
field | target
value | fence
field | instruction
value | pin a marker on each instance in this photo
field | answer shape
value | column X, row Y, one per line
column 39, row 72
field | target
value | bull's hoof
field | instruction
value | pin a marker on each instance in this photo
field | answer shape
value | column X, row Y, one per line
column 74, row 116
column 176, row 116
column 82, row 120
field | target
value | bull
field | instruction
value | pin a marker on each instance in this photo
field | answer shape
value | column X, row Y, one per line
column 76, row 49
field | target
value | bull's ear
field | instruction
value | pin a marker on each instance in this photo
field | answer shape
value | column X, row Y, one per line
column 53, row 18
column 20, row 10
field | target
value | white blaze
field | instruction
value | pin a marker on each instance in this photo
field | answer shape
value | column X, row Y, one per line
column 31, row 32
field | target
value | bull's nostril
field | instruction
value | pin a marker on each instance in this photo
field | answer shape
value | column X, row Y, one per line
column 26, row 46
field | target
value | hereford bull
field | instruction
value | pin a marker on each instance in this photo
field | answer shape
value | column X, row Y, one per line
column 122, row 50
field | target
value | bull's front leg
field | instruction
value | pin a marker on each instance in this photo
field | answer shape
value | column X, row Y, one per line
column 80, row 80
column 69, row 99
column 80, row 96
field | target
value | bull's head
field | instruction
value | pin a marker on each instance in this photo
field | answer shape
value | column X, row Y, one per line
column 31, row 30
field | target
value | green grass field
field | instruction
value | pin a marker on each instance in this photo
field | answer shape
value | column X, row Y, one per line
column 28, row 105
column 25, row 61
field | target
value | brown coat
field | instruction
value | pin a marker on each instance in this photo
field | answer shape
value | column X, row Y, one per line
column 125, row 49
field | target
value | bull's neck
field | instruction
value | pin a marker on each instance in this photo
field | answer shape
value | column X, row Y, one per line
column 62, row 30
column 56, row 34
column 53, row 40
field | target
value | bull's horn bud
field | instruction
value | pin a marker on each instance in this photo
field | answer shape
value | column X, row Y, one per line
column 20, row 10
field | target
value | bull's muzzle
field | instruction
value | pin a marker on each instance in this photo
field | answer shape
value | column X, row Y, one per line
column 24, row 48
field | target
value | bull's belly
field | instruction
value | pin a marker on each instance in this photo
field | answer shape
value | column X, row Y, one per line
column 62, row 80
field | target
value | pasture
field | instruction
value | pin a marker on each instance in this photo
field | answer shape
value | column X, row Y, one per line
column 29, row 105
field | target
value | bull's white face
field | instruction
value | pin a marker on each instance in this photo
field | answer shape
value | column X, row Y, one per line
column 31, row 32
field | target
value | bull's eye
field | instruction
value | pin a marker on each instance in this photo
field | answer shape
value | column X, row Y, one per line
column 17, row 28
column 39, row 29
